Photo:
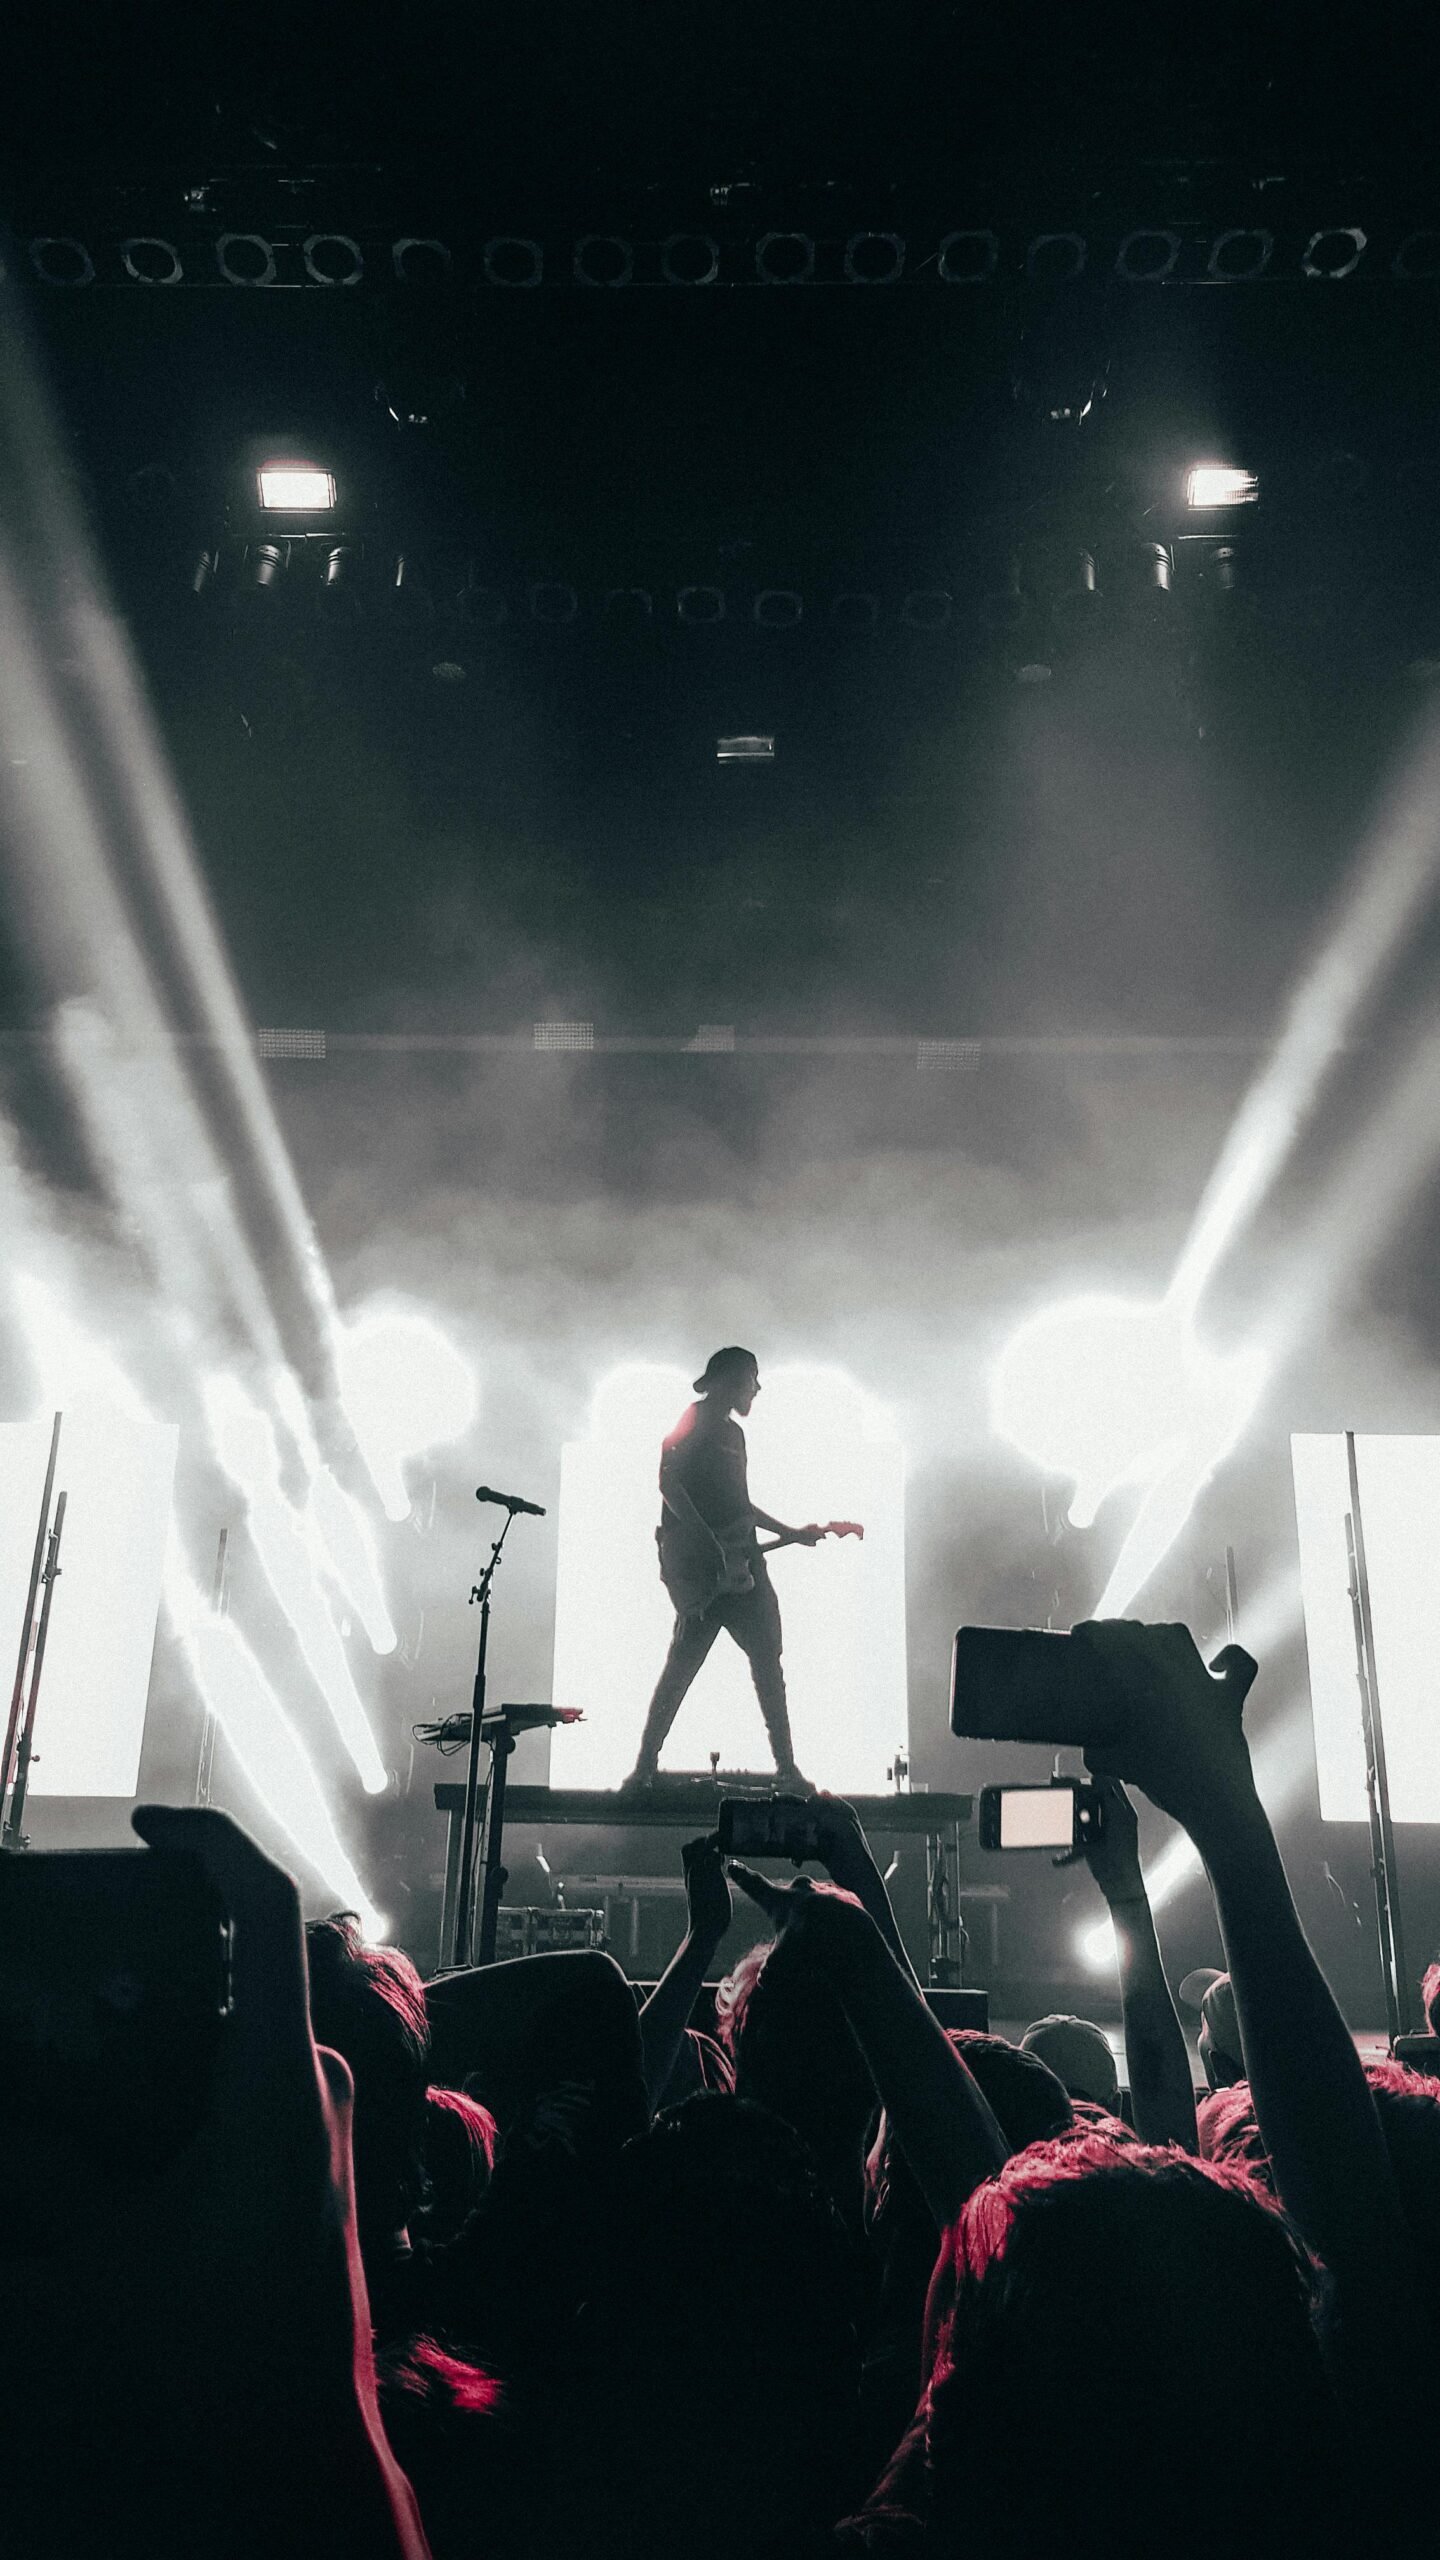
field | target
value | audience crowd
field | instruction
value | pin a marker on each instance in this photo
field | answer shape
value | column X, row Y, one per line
column 502, row 2267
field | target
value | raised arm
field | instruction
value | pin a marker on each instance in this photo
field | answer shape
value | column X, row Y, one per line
column 1185, row 1746
column 1162, row 2092
column 945, row 2128
column 845, row 1854
column 666, row 2013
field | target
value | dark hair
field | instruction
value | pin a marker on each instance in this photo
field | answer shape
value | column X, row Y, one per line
column 460, row 2141
column 1229, row 2132
column 724, row 2292
column 1029, row 2100
column 369, row 2004
column 1110, row 2293
column 794, row 2052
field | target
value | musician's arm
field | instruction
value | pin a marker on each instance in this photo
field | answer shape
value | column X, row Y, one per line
column 677, row 1500
column 777, row 1528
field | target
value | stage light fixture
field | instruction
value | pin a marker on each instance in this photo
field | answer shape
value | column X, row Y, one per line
column 267, row 563
column 1219, row 484
column 295, row 488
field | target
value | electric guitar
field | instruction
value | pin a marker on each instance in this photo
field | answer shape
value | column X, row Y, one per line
column 695, row 1576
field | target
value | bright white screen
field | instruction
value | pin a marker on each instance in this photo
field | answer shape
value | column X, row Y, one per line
column 1037, row 1818
column 119, row 1473
column 820, row 1449
column 1399, row 1478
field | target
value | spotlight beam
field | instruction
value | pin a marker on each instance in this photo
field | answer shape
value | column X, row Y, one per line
column 226, row 1675
column 1395, row 877
column 271, row 1756
column 245, row 1443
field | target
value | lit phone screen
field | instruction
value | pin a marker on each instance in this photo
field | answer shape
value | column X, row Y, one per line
column 1036, row 1818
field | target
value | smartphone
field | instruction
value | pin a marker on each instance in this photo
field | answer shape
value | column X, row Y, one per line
column 1019, row 1684
column 768, row 1827
column 1066, row 1814
column 114, row 1996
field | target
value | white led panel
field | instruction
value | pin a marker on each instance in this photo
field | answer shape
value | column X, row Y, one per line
column 820, row 1449
column 119, row 1473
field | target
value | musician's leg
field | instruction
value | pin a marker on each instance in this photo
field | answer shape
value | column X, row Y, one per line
column 753, row 1618
column 689, row 1646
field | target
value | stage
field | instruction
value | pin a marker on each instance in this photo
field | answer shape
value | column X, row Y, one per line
column 689, row 1805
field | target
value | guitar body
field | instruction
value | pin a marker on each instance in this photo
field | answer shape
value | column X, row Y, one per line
column 692, row 1572
column 696, row 1577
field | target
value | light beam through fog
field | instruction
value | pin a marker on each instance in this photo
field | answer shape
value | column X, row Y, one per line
column 1393, row 879
column 268, row 1750
column 406, row 1389
column 1112, row 1392
column 244, row 1440
column 70, row 1363
column 1281, row 1761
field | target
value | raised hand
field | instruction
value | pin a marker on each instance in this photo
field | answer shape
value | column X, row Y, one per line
column 1114, row 1859
column 841, row 1844
column 1181, row 1737
column 823, row 1917
column 707, row 1893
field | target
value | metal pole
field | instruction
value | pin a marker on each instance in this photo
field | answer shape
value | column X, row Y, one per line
column 1232, row 1596
column 13, row 1836
column 205, row 1771
column 465, row 1898
column 1377, row 1785
column 493, row 1877
column 27, row 1631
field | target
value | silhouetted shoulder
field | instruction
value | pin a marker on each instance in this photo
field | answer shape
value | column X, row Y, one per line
column 691, row 1420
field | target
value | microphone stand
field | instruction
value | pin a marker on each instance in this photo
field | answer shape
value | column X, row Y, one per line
column 500, row 1751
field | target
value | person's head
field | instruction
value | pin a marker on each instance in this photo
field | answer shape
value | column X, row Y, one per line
column 730, row 1379
column 1079, row 2053
column 793, row 2052
column 460, row 2141
column 1230, row 2133
column 1221, row 2054
column 1110, row 2295
column 1408, row 2105
column 1028, row 2102
column 1027, row 2096
column 368, row 2003
column 514, row 2035
column 717, row 2344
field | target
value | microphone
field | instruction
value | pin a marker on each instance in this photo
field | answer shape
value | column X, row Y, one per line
column 509, row 1501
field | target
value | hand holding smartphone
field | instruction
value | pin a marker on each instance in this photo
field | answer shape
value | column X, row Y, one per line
column 769, row 1827
column 1064, row 1816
